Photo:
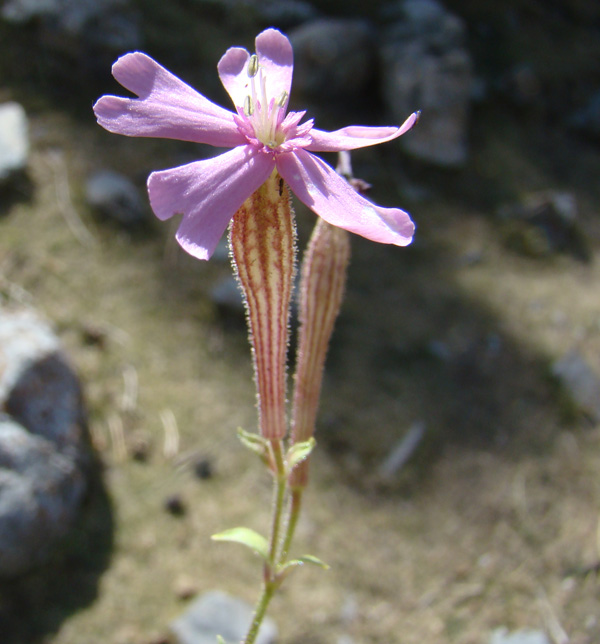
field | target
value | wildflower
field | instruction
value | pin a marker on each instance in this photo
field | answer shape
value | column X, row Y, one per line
column 262, row 135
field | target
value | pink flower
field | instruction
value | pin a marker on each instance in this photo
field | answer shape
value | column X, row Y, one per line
column 262, row 137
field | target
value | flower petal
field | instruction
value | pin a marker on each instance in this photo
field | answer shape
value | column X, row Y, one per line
column 276, row 57
column 330, row 196
column 233, row 72
column 357, row 136
column 167, row 107
column 208, row 193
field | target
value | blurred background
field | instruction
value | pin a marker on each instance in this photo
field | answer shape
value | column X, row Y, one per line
column 456, row 484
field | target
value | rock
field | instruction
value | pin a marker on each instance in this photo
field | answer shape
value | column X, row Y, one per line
column 425, row 66
column 115, row 197
column 332, row 58
column 216, row 613
column 544, row 223
column 227, row 295
column 580, row 381
column 14, row 140
column 112, row 24
column 44, row 453
column 285, row 13
column 587, row 119
column 502, row 636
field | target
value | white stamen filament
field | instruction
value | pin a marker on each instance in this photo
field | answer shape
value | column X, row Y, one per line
column 264, row 115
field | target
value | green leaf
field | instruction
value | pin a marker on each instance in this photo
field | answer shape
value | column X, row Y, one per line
column 246, row 537
column 254, row 442
column 304, row 559
column 299, row 451
column 315, row 561
column 220, row 640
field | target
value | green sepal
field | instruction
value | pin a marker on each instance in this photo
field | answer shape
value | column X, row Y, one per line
column 255, row 443
column 247, row 537
column 298, row 452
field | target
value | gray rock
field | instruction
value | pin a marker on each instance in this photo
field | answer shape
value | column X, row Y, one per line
column 587, row 119
column 332, row 57
column 285, row 13
column 14, row 140
column 502, row 636
column 425, row 66
column 227, row 295
column 580, row 381
column 109, row 22
column 44, row 453
column 216, row 613
column 40, row 494
column 116, row 197
column 544, row 223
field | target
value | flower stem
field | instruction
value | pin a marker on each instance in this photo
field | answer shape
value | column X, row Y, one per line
column 271, row 582
column 279, row 501
column 294, row 514
column 259, row 612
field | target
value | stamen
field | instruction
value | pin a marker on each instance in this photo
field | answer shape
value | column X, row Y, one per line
column 253, row 66
column 280, row 102
column 248, row 106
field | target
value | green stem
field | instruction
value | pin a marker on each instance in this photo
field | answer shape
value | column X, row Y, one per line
column 259, row 612
column 270, row 583
column 295, row 504
column 279, row 493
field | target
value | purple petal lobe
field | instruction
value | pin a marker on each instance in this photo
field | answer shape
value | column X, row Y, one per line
column 166, row 108
column 233, row 72
column 357, row 136
column 208, row 193
column 329, row 195
column 276, row 58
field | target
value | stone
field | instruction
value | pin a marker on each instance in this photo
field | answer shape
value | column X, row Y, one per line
column 216, row 613
column 285, row 13
column 115, row 197
column 425, row 66
column 502, row 636
column 44, row 447
column 14, row 140
column 332, row 57
column 227, row 295
column 544, row 223
column 587, row 119
column 112, row 24
column 40, row 493
column 580, row 381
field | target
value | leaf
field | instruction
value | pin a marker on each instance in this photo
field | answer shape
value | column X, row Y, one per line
column 247, row 537
column 299, row 451
column 315, row 561
column 304, row 559
column 254, row 442
column 220, row 640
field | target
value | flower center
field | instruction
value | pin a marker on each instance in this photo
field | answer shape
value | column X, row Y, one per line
column 264, row 115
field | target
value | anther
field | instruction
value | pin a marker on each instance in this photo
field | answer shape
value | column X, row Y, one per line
column 280, row 102
column 253, row 66
column 248, row 107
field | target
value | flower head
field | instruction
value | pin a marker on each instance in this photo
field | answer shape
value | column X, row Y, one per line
column 263, row 136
